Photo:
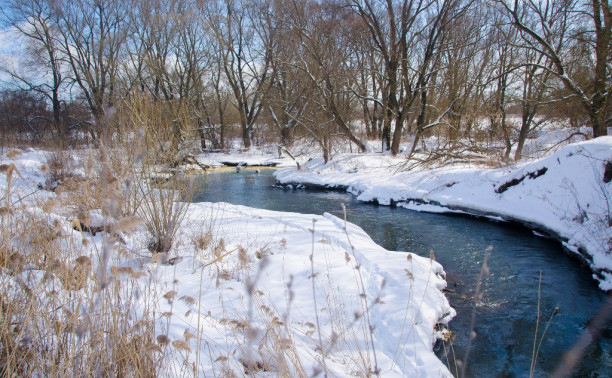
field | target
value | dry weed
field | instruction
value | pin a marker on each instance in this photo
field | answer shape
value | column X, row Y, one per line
column 12, row 154
column 58, row 317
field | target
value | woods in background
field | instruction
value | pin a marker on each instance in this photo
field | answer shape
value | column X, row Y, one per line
column 326, row 71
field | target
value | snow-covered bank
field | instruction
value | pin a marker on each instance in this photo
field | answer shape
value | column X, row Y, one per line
column 279, row 293
column 271, row 251
column 568, row 194
column 257, row 156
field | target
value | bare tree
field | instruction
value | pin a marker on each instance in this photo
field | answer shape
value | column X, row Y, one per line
column 535, row 82
column 216, row 108
column 288, row 99
column 409, row 36
column 464, row 58
column 33, row 19
column 325, row 53
column 392, row 26
column 552, row 27
column 246, row 35
column 433, row 42
column 504, row 60
column 190, row 64
column 24, row 116
column 367, row 81
column 291, row 93
column 155, row 28
column 92, row 38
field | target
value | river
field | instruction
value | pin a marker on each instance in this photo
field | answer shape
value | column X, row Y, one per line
column 506, row 316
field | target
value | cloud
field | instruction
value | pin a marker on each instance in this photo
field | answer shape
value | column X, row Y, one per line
column 10, row 42
column 11, row 50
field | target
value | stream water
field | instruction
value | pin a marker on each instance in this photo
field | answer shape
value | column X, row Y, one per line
column 506, row 316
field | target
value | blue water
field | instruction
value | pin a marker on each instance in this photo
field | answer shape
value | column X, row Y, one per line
column 506, row 315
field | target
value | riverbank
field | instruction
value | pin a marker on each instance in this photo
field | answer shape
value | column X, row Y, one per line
column 241, row 291
column 567, row 194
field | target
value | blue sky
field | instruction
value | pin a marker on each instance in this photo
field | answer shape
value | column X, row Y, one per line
column 10, row 48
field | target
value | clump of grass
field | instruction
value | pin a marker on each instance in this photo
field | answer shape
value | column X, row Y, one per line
column 157, row 193
column 163, row 209
column 12, row 154
column 59, row 169
column 62, row 315
column 202, row 241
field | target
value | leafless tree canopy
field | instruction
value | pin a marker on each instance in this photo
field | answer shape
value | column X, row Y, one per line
column 396, row 71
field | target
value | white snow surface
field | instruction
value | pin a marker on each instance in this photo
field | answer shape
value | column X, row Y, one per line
column 563, row 194
column 411, row 301
column 267, row 155
column 262, row 279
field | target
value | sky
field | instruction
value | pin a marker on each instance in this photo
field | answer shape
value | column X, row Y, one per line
column 10, row 47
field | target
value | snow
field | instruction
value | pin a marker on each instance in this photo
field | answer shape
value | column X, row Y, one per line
column 563, row 194
column 267, row 155
column 404, row 322
column 290, row 292
column 296, row 293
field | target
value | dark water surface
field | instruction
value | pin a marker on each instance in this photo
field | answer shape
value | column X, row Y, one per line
column 506, row 315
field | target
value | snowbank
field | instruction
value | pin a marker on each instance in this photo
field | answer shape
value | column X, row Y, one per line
column 264, row 156
column 567, row 194
column 266, row 282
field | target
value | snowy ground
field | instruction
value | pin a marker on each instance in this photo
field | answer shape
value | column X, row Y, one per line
column 293, row 294
column 267, row 283
column 567, row 194
column 267, row 155
column 278, row 292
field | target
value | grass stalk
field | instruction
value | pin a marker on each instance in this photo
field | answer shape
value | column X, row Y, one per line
column 363, row 296
column 536, row 349
column 314, row 298
column 535, row 335
column 477, row 296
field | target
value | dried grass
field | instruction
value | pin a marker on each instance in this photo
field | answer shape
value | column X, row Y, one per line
column 68, row 302
column 12, row 154
column 60, row 317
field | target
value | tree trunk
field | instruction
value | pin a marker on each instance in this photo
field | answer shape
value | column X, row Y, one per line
column 386, row 133
column 519, row 146
column 397, row 134
column 367, row 119
column 603, row 33
column 57, row 121
column 246, row 137
column 529, row 112
column 202, row 136
column 417, row 139
column 503, row 124
column 326, row 149
column 599, row 127
column 287, row 136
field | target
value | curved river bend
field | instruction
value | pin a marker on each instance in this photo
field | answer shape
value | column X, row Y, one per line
column 506, row 315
